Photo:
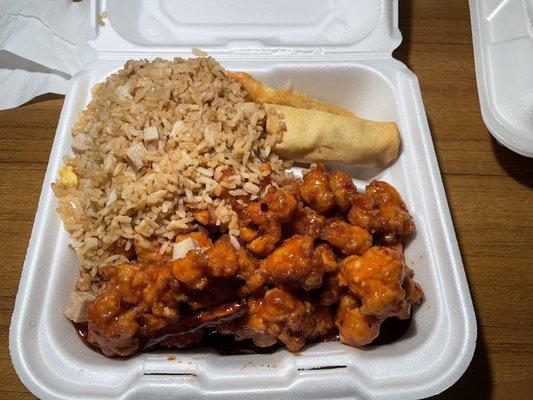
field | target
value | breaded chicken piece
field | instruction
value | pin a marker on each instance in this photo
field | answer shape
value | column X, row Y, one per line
column 137, row 302
column 191, row 269
column 307, row 222
column 365, row 213
column 316, row 191
column 280, row 316
column 393, row 213
column 281, row 203
column 297, row 264
column 203, row 217
column 214, row 261
column 355, row 328
column 260, row 221
column 348, row 239
column 258, row 92
column 381, row 210
column 376, row 278
column 342, row 186
column 269, row 237
column 221, row 260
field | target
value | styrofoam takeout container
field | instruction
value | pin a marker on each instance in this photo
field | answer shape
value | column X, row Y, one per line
column 502, row 33
column 339, row 51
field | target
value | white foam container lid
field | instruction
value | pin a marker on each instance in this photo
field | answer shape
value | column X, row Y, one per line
column 339, row 51
column 502, row 33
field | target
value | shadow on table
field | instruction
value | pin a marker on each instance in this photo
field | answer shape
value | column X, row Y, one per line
column 43, row 97
column 517, row 166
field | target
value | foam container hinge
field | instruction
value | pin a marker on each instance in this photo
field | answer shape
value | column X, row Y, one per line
column 502, row 33
column 339, row 51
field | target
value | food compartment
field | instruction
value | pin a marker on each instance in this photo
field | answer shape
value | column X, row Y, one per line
column 359, row 89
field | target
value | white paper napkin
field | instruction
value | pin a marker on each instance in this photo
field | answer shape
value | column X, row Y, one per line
column 42, row 44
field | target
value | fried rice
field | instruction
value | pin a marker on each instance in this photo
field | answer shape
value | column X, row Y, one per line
column 160, row 140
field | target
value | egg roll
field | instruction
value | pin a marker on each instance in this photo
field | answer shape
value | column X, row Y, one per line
column 314, row 136
column 258, row 92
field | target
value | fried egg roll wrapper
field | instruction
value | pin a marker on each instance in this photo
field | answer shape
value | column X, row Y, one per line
column 258, row 92
column 313, row 136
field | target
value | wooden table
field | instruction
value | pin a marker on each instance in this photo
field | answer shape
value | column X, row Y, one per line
column 488, row 188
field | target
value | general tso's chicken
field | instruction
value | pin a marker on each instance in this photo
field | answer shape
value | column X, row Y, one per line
column 343, row 188
column 376, row 278
column 365, row 213
column 312, row 238
column 280, row 316
column 355, row 328
column 316, row 191
column 206, row 262
column 281, row 203
column 381, row 210
column 221, row 259
column 308, row 222
column 252, row 216
column 260, row 221
column 259, row 229
column 217, row 291
column 394, row 216
column 191, row 268
column 141, row 306
column 270, row 236
column 297, row 264
column 348, row 239
column 137, row 302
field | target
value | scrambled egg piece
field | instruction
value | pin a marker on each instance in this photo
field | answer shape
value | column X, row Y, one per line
column 68, row 176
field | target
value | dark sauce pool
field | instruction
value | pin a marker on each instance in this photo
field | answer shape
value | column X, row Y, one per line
column 392, row 329
column 223, row 344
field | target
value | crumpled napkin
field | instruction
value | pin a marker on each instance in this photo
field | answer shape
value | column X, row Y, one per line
column 42, row 44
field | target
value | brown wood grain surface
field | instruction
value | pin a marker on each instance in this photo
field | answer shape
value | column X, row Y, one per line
column 489, row 189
